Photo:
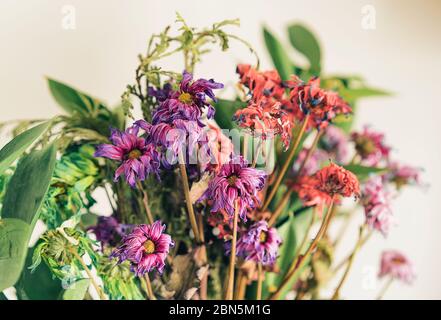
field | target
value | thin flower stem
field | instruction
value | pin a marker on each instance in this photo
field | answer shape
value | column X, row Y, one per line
column 148, row 286
column 259, row 281
column 385, row 288
column 303, row 243
column 256, row 155
column 230, row 285
column 299, row 263
column 282, row 172
column 346, row 260
column 89, row 274
column 186, row 187
column 145, row 202
column 336, row 294
column 204, row 281
column 280, row 207
column 241, row 285
column 310, row 152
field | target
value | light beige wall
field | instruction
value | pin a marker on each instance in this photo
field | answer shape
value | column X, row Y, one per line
column 402, row 55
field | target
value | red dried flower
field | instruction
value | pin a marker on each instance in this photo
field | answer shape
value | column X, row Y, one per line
column 266, row 83
column 336, row 180
column 307, row 189
column 320, row 104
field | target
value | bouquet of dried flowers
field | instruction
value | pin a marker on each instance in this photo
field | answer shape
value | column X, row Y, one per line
column 203, row 197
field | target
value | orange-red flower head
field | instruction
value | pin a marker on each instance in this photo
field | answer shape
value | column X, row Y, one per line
column 336, row 180
column 320, row 104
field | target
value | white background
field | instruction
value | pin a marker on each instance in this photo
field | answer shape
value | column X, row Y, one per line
column 401, row 55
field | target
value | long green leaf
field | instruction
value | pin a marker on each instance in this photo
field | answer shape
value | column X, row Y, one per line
column 72, row 100
column 29, row 184
column 14, row 238
column 278, row 54
column 352, row 94
column 363, row 172
column 305, row 42
column 15, row 148
column 24, row 196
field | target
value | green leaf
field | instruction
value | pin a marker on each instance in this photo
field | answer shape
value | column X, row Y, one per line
column 24, row 196
column 363, row 172
column 15, row 148
column 353, row 94
column 72, row 100
column 77, row 290
column 278, row 54
column 28, row 185
column 225, row 110
column 304, row 41
column 38, row 284
column 14, row 238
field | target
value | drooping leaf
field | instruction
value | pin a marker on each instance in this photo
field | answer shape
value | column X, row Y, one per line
column 15, row 148
column 225, row 110
column 305, row 42
column 278, row 55
column 77, row 290
column 72, row 100
column 14, row 238
column 28, row 185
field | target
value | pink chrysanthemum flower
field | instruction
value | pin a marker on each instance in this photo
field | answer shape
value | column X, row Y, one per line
column 370, row 146
column 146, row 248
column 235, row 181
column 376, row 203
column 402, row 175
column 336, row 180
column 396, row 265
column 259, row 243
column 137, row 156
column 320, row 104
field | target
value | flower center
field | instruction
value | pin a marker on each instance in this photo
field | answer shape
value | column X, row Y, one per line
column 134, row 154
column 232, row 180
column 186, row 98
column 398, row 260
column 365, row 146
column 263, row 236
column 149, row 246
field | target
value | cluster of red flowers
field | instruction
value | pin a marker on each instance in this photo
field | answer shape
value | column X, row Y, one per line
column 265, row 115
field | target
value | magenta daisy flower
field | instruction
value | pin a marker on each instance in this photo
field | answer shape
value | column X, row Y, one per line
column 146, row 248
column 235, row 181
column 188, row 102
column 396, row 265
column 259, row 243
column 376, row 203
column 137, row 156
column 370, row 146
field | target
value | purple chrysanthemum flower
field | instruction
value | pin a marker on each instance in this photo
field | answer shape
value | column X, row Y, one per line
column 146, row 248
column 174, row 137
column 161, row 94
column 259, row 243
column 396, row 265
column 109, row 231
column 188, row 102
column 137, row 156
column 235, row 181
column 376, row 203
